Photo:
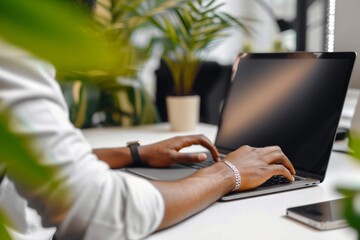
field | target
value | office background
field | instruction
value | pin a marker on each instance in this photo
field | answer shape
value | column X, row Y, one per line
column 311, row 24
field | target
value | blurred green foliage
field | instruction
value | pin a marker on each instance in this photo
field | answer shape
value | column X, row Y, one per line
column 4, row 235
column 350, row 207
column 351, row 204
column 58, row 31
column 64, row 34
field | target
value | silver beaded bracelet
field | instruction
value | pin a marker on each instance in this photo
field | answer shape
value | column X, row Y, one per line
column 236, row 173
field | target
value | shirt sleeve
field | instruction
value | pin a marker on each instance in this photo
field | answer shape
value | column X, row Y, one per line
column 101, row 203
column 24, row 222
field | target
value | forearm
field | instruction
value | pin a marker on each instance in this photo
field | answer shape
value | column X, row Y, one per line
column 114, row 157
column 188, row 196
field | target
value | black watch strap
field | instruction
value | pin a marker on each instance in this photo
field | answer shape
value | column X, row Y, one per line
column 134, row 152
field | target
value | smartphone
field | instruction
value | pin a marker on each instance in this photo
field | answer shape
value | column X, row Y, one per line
column 323, row 216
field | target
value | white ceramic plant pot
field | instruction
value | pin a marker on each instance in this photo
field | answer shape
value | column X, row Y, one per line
column 183, row 112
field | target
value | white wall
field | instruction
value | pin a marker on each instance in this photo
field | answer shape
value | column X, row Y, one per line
column 347, row 33
column 265, row 29
column 315, row 26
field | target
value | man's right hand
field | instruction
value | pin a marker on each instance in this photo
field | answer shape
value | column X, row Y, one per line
column 190, row 195
column 257, row 165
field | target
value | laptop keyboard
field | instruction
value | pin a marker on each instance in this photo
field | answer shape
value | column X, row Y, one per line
column 209, row 161
column 200, row 165
column 275, row 180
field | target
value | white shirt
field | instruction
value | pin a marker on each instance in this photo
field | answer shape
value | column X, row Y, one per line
column 102, row 203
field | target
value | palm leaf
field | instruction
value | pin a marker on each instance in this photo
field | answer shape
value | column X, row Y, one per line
column 184, row 24
column 165, row 7
column 171, row 32
column 209, row 3
column 237, row 22
column 213, row 9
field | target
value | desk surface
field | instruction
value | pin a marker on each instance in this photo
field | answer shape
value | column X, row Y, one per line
column 253, row 218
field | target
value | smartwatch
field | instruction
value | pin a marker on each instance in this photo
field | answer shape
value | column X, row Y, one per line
column 134, row 152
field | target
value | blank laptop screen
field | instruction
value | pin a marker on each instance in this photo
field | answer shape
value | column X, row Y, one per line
column 291, row 100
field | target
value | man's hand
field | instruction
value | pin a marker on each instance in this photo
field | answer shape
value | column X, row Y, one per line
column 187, row 196
column 166, row 153
column 256, row 165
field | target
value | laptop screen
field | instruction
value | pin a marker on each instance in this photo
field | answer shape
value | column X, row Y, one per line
column 290, row 100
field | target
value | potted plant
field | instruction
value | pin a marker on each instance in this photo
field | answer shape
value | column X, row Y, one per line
column 185, row 36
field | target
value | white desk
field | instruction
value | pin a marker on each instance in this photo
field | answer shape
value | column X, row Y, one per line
column 254, row 218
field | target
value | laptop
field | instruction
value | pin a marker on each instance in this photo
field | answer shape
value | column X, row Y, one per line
column 293, row 100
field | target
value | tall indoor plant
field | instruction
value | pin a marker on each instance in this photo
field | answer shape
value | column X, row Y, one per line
column 185, row 36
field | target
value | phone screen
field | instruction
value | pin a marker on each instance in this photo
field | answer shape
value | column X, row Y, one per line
column 323, row 215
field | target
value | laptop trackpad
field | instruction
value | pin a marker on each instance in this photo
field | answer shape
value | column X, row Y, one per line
column 163, row 174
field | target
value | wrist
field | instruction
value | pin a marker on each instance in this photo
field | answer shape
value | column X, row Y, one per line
column 223, row 176
column 236, row 174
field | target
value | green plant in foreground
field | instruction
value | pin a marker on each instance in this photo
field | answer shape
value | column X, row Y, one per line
column 58, row 31
column 351, row 204
column 21, row 163
column 4, row 235
column 61, row 33
column 351, row 210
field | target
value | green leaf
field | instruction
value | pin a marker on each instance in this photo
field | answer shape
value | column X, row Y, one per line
column 354, row 144
column 350, row 212
column 213, row 9
column 238, row 23
column 4, row 235
column 194, row 8
column 182, row 22
column 210, row 3
column 171, row 32
column 165, row 7
column 20, row 160
column 55, row 30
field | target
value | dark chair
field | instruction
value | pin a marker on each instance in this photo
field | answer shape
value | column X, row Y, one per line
column 211, row 84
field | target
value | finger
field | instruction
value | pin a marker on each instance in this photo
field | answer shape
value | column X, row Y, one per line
column 270, row 149
column 281, row 170
column 187, row 141
column 189, row 157
column 283, row 160
column 205, row 142
column 276, row 156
